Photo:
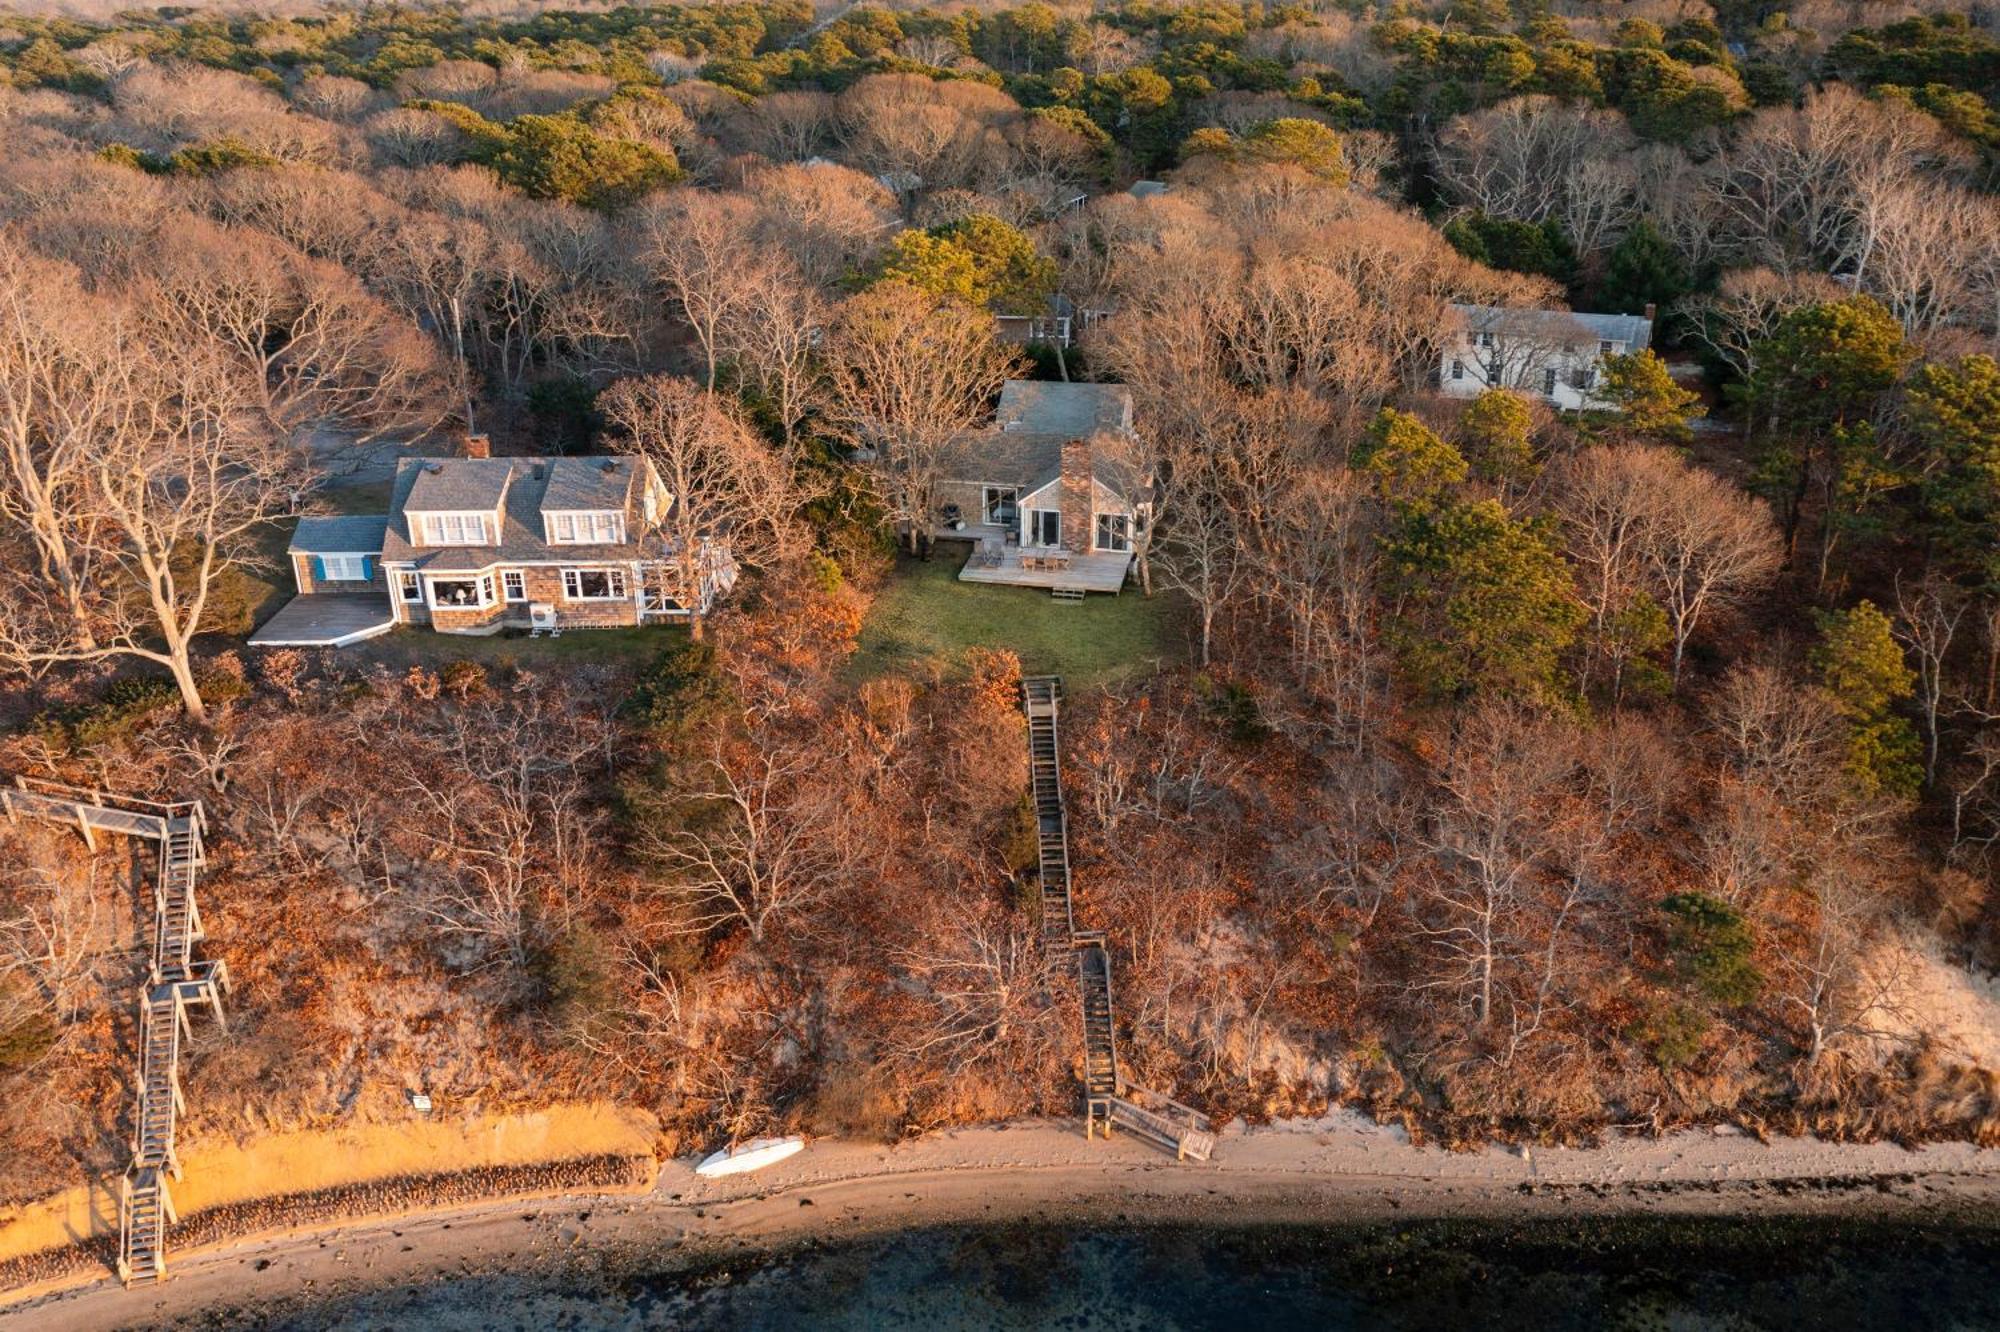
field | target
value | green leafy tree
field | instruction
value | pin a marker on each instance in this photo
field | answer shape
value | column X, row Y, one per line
column 1494, row 431
column 1518, row 247
column 980, row 260
column 1823, row 369
column 1648, row 403
column 1712, row 949
column 1642, row 269
column 1483, row 602
column 559, row 157
column 1954, row 412
column 1861, row 667
column 1292, row 140
column 1410, row 464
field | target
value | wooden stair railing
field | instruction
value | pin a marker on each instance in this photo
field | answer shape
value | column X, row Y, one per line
column 1108, row 1099
column 176, row 979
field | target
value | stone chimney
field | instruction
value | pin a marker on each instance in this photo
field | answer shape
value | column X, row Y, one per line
column 1076, row 495
column 478, row 446
column 1651, row 311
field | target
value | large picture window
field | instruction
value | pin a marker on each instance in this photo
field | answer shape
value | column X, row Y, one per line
column 594, row 584
column 1114, row 531
column 462, row 593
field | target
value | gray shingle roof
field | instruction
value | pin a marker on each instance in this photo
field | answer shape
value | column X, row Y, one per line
column 1635, row 331
column 1044, row 416
column 526, row 482
column 462, row 485
column 1074, row 410
column 355, row 534
column 589, row 483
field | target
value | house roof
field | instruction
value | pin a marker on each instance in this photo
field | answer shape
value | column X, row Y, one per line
column 465, row 485
column 1147, row 189
column 355, row 534
column 526, row 484
column 1033, row 422
column 588, row 483
column 1635, row 331
column 1074, row 410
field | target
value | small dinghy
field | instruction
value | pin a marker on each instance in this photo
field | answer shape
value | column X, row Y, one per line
column 752, row 1155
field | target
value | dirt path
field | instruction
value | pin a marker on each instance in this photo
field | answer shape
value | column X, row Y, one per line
column 1341, row 1168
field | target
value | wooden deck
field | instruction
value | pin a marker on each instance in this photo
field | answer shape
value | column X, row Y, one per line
column 1100, row 572
column 326, row 619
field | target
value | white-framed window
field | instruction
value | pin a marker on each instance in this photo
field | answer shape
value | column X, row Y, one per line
column 594, row 584
column 596, row 528
column 1482, row 339
column 1458, row 369
column 1044, row 527
column 470, row 593
column 1114, row 531
column 513, row 585
column 997, row 503
column 411, row 586
column 1606, row 348
column 457, row 529
column 1549, row 382
column 343, row 568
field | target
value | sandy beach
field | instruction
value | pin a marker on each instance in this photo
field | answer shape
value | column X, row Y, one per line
column 1339, row 1168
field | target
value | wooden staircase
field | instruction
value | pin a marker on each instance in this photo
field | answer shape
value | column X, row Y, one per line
column 1108, row 1099
column 176, row 980
column 1042, row 696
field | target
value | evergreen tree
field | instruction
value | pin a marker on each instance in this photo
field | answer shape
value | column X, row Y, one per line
column 1642, row 270
column 1861, row 666
column 1648, row 403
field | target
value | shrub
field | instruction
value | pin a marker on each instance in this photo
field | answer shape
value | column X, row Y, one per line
column 1671, row 1033
column 578, row 984
column 1712, row 948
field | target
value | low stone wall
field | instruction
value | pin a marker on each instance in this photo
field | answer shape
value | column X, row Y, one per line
column 329, row 1207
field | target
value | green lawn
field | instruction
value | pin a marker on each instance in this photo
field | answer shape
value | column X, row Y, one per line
column 420, row 647
column 925, row 619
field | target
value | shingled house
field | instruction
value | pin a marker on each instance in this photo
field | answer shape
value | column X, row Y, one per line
column 1054, row 494
column 1554, row 354
column 477, row 545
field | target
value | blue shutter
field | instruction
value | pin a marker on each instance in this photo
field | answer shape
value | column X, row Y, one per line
column 367, row 568
column 319, row 569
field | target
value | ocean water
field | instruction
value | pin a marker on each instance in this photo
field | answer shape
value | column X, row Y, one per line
column 1596, row 1273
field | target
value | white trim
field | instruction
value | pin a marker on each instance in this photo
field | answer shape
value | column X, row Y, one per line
column 507, row 591
column 1031, row 527
column 353, row 560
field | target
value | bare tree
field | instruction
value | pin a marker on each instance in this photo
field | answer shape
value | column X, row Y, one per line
column 170, row 499
column 698, row 247
column 750, row 838
column 729, row 497
column 1927, row 619
column 771, row 339
column 906, row 375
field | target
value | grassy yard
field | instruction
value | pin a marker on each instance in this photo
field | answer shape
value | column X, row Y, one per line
column 402, row 648
column 925, row 619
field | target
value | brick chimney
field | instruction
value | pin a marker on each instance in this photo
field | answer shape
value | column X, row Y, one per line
column 1076, row 494
column 478, row 446
column 1651, row 311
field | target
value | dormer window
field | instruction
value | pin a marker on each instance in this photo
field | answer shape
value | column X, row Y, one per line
column 455, row 529
column 602, row 527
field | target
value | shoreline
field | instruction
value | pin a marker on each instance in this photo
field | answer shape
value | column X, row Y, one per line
column 1342, row 1169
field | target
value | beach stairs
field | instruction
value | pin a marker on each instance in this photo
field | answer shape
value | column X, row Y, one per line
column 1042, row 698
column 1109, row 1100
column 176, row 982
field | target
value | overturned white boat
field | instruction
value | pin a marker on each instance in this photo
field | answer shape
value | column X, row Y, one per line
column 752, row 1155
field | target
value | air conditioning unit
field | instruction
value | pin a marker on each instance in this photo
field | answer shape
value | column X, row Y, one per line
column 542, row 620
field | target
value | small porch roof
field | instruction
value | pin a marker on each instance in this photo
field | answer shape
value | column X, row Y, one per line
column 348, row 534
